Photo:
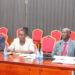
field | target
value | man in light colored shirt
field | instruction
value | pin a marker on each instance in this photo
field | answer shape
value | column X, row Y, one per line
column 22, row 44
column 66, row 46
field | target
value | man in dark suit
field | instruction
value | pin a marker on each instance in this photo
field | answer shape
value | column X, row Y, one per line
column 66, row 46
column 2, row 43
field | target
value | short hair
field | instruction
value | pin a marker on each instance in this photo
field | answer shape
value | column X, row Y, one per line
column 69, row 30
column 25, row 30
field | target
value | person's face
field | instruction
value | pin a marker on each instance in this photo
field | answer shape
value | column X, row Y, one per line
column 65, row 34
column 22, row 35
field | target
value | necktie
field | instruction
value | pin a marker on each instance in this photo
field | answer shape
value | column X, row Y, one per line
column 64, row 50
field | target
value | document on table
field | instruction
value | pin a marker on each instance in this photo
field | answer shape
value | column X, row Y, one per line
column 64, row 57
column 28, row 56
column 64, row 60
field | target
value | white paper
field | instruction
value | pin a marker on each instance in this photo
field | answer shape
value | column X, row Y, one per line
column 64, row 60
column 64, row 57
column 28, row 56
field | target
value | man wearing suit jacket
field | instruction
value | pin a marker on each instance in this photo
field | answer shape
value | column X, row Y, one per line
column 2, row 43
column 66, row 46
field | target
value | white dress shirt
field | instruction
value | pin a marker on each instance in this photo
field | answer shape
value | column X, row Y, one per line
column 17, row 46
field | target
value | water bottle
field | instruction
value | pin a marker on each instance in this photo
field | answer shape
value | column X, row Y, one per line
column 5, row 54
column 37, row 56
column 41, row 56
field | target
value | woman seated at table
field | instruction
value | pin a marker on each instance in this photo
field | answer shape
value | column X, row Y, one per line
column 22, row 44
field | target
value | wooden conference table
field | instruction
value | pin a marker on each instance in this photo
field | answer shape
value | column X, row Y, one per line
column 17, row 65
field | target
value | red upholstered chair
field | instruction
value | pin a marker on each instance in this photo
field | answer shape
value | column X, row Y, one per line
column 18, row 30
column 72, row 36
column 48, row 44
column 56, row 34
column 4, row 30
column 0, row 30
column 37, row 35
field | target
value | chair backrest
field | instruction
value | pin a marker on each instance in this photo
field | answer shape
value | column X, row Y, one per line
column 72, row 35
column 48, row 44
column 4, row 30
column 56, row 34
column 37, row 35
column 18, row 30
column 0, row 30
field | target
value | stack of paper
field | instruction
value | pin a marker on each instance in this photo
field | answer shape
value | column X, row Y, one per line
column 28, row 56
column 64, row 57
column 64, row 60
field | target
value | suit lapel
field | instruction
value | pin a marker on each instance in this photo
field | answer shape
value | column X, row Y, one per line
column 70, row 48
column 61, row 47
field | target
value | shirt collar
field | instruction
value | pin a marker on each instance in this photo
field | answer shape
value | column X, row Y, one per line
column 66, row 42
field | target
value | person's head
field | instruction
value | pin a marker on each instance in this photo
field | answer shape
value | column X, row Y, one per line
column 66, row 34
column 26, row 30
column 22, row 34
